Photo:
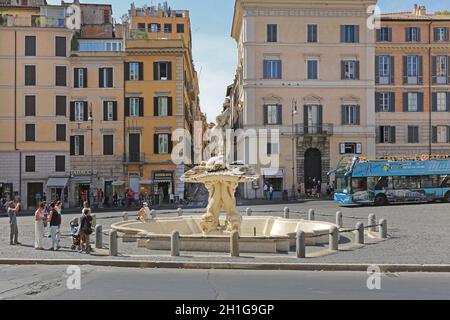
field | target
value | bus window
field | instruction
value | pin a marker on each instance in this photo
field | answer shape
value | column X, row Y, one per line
column 359, row 184
column 342, row 185
column 382, row 183
column 429, row 182
column 445, row 181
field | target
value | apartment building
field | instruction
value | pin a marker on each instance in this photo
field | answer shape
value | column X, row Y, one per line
column 34, row 91
column 310, row 64
column 413, row 84
column 161, row 95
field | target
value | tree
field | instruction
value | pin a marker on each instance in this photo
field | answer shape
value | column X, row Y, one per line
column 443, row 13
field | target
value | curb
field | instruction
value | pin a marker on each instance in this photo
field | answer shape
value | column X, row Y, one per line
column 385, row 268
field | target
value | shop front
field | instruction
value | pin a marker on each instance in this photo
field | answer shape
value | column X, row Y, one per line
column 6, row 191
column 274, row 178
column 163, row 185
column 57, row 190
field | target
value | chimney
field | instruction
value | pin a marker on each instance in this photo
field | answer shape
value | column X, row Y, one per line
column 415, row 9
column 422, row 11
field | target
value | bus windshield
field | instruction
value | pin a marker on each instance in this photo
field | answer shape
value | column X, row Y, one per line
column 342, row 185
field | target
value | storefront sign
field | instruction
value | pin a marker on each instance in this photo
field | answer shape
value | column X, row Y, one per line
column 163, row 176
column 75, row 173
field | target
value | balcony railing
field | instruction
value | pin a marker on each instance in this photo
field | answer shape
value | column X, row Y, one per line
column 134, row 157
column 320, row 129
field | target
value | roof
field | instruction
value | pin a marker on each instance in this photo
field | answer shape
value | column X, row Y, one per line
column 409, row 16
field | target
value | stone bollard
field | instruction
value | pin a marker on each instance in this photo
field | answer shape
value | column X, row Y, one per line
column 248, row 211
column 339, row 220
column 383, row 229
column 175, row 244
column 300, row 244
column 234, row 244
column 311, row 215
column 98, row 236
column 125, row 216
column 333, row 239
column 286, row 213
column 153, row 214
column 113, row 245
column 180, row 212
column 372, row 221
column 359, row 233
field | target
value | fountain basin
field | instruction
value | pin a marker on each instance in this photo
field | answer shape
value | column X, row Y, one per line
column 273, row 234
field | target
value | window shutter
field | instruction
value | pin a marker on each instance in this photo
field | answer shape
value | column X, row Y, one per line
column 155, row 107
column 448, row 134
column 358, row 115
column 407, row 39
column 434, row 69
column 418, row 34
column 115, row 110
column 357, row 70
column 100, row 78
column 410, row 134
column 343, row 115
column 76, row 73
column 72, row 111
column 448, row 101
column 320, row 116
column 61, row 106
column 269, row 148
column 169, row 71
column 420, row 102
column 265, row 115
column 356, row 34
column 85, row 111
column 305, row 119
column 392, row 70
column 85, row 84
column 155, row 144
column 434, row 135
column 170, row 143
column 72, row 145
column 436, row 33
column 448, row 69
column 170, row 106
column 393, row 135
column 265, row 71
column 377, row 69
column 405, row 69
column 405, row 102
column 127, row 71
column 434, row 101
column 390, row 34
column 342, row 33
column 378, row 35
column 280, row 69
column 155, row 71
column 141, row 107
column 446, row 34
column 392, row 101
column 420, row 69
column 342, row 70
column 141, row 71
column 279, row 114
column 127, row 107
column 81, row 145
column 110, row 74
column 105, row 110
column 377, row 102
column 30, row 106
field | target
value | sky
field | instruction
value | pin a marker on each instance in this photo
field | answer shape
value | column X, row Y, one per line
column 214, row 51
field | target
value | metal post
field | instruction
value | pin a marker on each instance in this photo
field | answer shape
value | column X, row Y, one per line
column 180, row 212
column 98, row 236
column 372, row 221
column 359, row 233
column 286, row 213
column 294, row 112
column 175, row 244
column 300, row 244
column 113, row 245
column 248, row 211
column 339, row 221
column 383, row 229
column 234, row 244
column 311, row 215
column 125, row 216
column 333, row 239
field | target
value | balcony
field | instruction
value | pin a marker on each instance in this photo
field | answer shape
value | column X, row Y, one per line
column 324, row 129
column 134, row 158
column 33, row 21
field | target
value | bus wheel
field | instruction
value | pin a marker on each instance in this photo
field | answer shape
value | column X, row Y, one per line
column 380, row 200
column 447, row 197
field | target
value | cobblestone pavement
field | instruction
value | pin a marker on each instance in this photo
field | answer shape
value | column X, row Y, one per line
column 418, row 234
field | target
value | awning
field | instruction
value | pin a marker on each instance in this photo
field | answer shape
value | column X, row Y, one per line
column 118, row 183
column 57, row 182
column 272, row 172
column 145, row 182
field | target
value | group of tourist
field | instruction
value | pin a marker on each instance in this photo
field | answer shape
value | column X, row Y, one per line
column 268, row 191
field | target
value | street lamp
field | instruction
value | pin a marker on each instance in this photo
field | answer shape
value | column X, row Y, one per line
column 91, row 119
column 293, row 113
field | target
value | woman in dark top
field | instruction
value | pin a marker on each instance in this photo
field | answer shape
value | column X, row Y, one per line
column 54, row 220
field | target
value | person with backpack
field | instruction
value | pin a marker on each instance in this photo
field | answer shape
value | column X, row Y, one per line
column 85, row 230
column 54, row 220
column 13, row 209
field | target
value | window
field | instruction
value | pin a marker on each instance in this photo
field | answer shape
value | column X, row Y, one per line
column 30, row 164
column 61, row 102
column 141, row 26
column 162, row 70
column 350, row 33
column 77, row 145
column 79, row 111
column 272, row 33
column 106, row 77
column 312, row 115
column 60, row 47
column 30, row 106
column 350, row 148
column 60, row 163
column 134, row 107
column 167, row 28
column 30, row 75
column 180, row 28
column 385, row 102
column 441, row 134
column 441, row 69
column 80, row 77
column 412, row 69
column 106, row 16
column 61, row 132
column 272, row 149
column 312, row 33
column 413, row 134
column 272, row 114
column 313, row 69
column 134, row 71
column 109, row 111
column 163, row 106
column 386, row 134
column 163, row 143
column 412, row 34
column 30, row 132
column 272, row 69
column 384, row 69
column 154, row 27
column 350, row 115
column 412, row 102
column 61, row 76
column 30, row 46
column 350, row 70
column 441, row 34
column 441, row 101
column 384, row 34
column 108, row 145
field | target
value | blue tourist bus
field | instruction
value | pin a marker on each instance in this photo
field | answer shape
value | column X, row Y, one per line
column 381, row 182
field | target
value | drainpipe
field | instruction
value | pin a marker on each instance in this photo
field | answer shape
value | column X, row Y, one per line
column 430, row 95
column 15, row 113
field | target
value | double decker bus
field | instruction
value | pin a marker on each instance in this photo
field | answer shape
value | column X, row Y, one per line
column 382, row 182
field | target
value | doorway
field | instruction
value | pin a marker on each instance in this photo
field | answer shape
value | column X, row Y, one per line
column 134, row 147
column 34, row 189
column 313, row 167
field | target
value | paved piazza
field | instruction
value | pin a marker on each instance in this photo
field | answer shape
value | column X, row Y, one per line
column 418, row 234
